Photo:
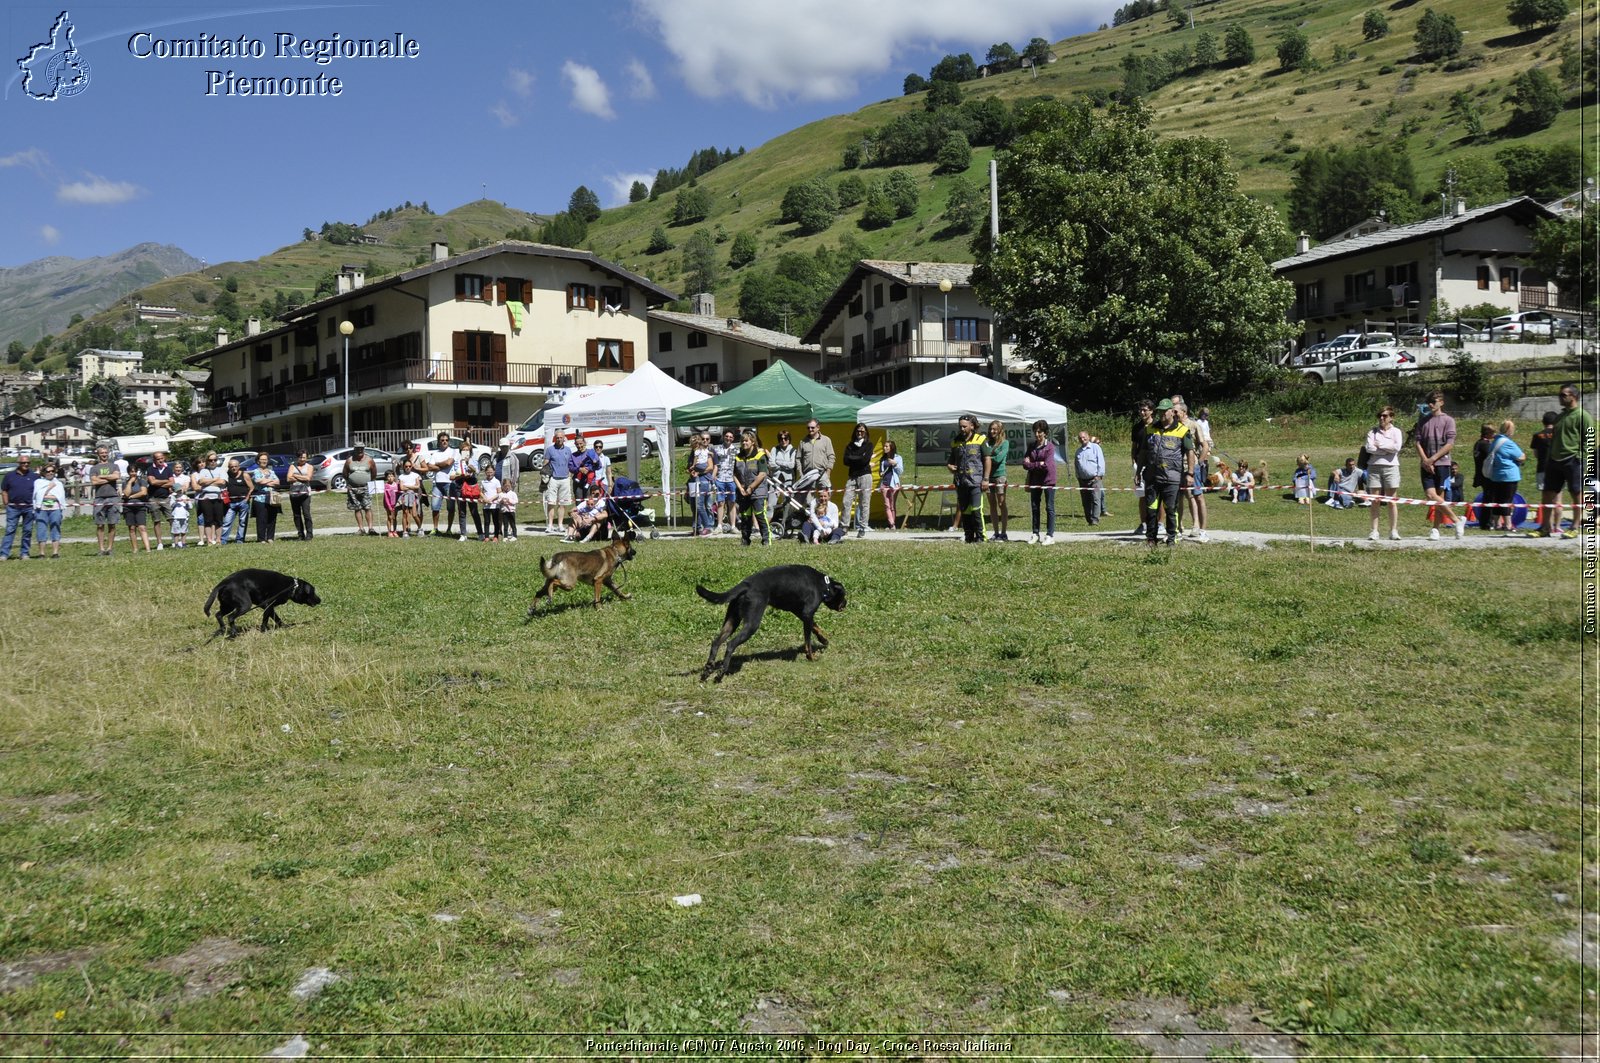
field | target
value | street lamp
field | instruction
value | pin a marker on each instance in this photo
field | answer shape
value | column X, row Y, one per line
column 345, row 328
column 945, row 286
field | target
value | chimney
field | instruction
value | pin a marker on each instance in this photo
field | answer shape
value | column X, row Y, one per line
column 911, row 269
column 733, row 324
column 252, row 326
column 1461, row 207
column 441, row 250
column 222, row 337
column 705, row 304
column 1302, row 243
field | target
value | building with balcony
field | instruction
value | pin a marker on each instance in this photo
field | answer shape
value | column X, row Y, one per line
column 893, row 325
column 154, row 393
column 49, row 431
column 717, row 354
column 469, row 343
column 93, row 362
column 1393, row 274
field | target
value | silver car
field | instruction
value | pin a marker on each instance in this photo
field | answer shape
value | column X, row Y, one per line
column 327, row 470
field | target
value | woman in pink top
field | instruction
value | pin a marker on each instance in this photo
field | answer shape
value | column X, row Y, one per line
column 1383, row 446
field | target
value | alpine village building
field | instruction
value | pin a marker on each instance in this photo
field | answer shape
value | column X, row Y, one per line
column 473, row 344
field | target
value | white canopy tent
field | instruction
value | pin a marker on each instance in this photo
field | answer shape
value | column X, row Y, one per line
column 645, row 398
column 948, row 397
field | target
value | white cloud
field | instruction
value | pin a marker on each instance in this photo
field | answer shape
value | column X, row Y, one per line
column 589, row 92
column 644, row 86
column 520, row 82
column 620, row 184
column 50, row 234
column 33, row 157
column 817, row 49
column 504, row 114
column 97, row 191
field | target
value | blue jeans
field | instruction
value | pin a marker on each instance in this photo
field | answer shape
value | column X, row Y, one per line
column 15, row 515
column 47, row 526
column 705, row 504
column 238, row 513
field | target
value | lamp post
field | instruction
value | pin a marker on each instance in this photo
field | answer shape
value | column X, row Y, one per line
column 944, row 287
column 345, row 328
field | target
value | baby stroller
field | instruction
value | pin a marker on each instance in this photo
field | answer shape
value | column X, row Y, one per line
column 626, row 505
column 791, row 513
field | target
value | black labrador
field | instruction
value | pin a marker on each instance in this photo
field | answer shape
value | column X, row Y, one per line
column 257, row 588
column 797, row 589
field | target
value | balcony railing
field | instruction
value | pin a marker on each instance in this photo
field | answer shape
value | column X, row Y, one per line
column 890, row 354
column 418, row 371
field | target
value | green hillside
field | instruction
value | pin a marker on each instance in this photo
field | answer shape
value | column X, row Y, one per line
column 1361, row 93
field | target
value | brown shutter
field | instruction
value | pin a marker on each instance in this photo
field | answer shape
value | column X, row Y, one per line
column 627, row 356
column 591, row 350
column 527, row 293
column 627, row 297
column 590, row 302
column 460, row 289
column 983, row 331
column 1483, row 278
column 458, row 346
column 571, row 288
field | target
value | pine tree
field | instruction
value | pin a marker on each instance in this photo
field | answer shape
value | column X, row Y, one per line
column 1437, row 36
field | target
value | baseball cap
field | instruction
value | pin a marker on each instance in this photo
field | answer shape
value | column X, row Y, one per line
column 1164, row 404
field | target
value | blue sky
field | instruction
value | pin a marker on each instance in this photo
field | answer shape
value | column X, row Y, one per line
column 519, row 102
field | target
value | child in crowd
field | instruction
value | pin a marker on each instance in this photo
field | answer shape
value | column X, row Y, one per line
column 1305, row 480
column 391, row 501
column 491, row 505
column 508, row 514
column 410, row 482
column 180, row 521
column 1244, row 483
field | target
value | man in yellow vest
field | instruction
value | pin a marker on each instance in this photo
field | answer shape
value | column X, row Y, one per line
column 1168, row 466
column 972, row 461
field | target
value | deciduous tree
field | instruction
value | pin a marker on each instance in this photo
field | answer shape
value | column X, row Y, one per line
column 744, row 249
column 954, row 155
column 1238, row 48
column 811, row 205
column 1374, row 25
column 1294, row 50
column 965, row 205
column 1437, row 36
column 1526, row 14
column 1128, row 263
column 1536, row 101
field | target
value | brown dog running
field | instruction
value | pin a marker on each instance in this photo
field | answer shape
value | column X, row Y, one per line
column 572, row 567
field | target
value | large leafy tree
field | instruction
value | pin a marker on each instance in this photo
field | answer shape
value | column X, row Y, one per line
column 1536, row 99
column 1437, row 36
column 1374, row 25
column 1526, row 14
column 1563, row 249
column 1129, row 264
column 811, row 205
column 1294, row 50
column 1238, row 48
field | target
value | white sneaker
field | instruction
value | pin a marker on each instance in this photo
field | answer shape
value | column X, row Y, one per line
column 1461, row 529
column 462, row 539
column 160, row 547
column 1433, row 535
column 1033, row 540
column 1201, row 536
column 1374, row 535
column 1048, row 540
column 1395, row 536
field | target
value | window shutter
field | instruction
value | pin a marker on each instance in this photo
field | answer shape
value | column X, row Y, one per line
column 571, row 292
column 461, row 288
column 591, row 350
column 589, row 302
column 1483, row 278
column 627, row 297
column 627, row 356
column 497, row 347
column 458, row 345
column 527, row 293
column 983, row 331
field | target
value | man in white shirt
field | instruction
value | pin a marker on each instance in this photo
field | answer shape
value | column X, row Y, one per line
column 441, row 460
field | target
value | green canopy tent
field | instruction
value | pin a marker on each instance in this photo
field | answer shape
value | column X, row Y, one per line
column 780, row 398
column 779, row 395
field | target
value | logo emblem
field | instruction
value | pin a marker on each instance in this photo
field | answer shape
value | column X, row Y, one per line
column 55, row 69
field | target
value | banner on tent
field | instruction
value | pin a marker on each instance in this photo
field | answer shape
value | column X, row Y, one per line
column 933, row 441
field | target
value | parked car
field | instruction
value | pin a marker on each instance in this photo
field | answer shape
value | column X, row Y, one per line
column 1442, row 334
column 1360, row 362
column 528, row 441
column 1531, row 323
column 247, row 460
column 327, row 470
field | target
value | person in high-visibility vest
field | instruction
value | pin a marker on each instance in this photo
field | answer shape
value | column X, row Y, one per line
column 1168, row 465
column 972, row 461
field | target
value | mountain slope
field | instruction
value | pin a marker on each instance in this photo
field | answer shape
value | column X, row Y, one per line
column 39, row 297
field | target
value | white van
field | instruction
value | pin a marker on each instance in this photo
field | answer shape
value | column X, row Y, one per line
column 528, row 441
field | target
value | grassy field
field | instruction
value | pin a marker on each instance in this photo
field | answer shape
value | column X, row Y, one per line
column 1057, row 795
